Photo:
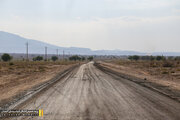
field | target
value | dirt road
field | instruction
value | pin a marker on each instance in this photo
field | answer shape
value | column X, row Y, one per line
column 90, row 94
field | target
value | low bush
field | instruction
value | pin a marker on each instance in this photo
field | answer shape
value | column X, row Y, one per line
column 134, row 57
column 158, row 58
column 54, row 58
column 168, row 64
column 153, row 64
column 6, row 57
column 90, row 58
column 11, row 63
column 74, row 58
column 38, row 58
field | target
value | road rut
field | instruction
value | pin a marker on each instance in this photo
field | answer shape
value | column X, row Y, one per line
column 90, row 94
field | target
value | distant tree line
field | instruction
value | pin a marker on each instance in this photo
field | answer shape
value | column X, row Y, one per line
column 90, row 58
column 6, row 57
column 40, row 58
column 75, row 58
column 78, row 58
column 158, row 58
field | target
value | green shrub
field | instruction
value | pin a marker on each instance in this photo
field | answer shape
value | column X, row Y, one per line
column 158, row 58
column 90, row 58
column 83, row 58
column 38, row 58
column 152, row 58
column 134, row 57
column 74, row 58
column 54, row 58
column 6, row 57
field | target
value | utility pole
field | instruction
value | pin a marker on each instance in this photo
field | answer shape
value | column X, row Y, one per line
column 27, row 56
column 57, row 53
column 63, row 54
column 45, row 53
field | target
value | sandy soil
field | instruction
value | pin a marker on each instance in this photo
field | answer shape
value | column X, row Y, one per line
column 17, row 78
column 90, row 94
column 153, row 74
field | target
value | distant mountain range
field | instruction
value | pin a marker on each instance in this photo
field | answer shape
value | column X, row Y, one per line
column 11, row 43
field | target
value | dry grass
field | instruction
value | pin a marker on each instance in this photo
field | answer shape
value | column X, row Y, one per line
column 17, row 76
column 169, row 67
column 166, row 72
column 28, row 67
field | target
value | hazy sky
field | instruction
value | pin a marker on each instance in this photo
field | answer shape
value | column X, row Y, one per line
column 141, row 25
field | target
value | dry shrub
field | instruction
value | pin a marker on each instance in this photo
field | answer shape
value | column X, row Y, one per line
column 168, row 64
column 153, row 64
column 11, row 63
column 165, row 72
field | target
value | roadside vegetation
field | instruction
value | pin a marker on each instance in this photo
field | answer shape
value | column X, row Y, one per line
column 37, row 64
column 38, row 58
column 17, row 76
column 75, row 58
column 6, row 57
column 54, row 58
column 160, row 69
column 150, row 58
column 153, row 64
column 79, row 58
column 90, row 58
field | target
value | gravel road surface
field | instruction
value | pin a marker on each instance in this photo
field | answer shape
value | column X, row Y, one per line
column 90, row 94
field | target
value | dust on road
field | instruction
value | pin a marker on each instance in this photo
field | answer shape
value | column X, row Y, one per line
column 90, row 94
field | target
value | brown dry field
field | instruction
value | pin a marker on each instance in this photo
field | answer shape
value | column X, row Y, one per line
column 154, row 71
column 20, row 76
column 89, row 93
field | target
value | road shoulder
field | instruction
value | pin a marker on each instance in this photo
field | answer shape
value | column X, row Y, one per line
column 165, row 90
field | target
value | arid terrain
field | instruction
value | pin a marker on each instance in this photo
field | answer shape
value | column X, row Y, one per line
column 88, row 93
column 17, row 77
column 166, row 73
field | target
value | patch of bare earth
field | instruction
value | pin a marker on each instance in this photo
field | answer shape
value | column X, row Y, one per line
column 150, row 71
column 22, row 76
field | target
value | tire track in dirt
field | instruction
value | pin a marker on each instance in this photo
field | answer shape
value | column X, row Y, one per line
column 90, row 94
